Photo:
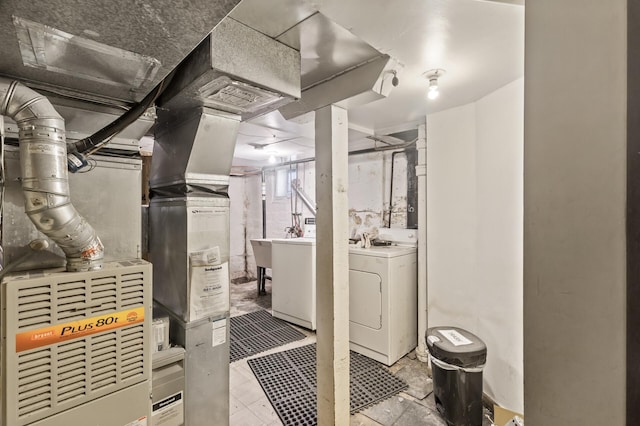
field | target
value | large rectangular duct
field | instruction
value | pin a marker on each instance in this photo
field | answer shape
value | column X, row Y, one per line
column 238, row 70
column 196, row 298
column 357, row 86
column 183, row 226
column 193, row 150
column 236, row 73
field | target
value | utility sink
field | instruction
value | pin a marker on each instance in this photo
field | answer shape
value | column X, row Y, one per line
column 262, row 252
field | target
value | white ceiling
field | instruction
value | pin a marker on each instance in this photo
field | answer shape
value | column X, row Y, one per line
column 480, row 45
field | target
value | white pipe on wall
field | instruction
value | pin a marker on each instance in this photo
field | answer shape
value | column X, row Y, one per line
column 421, row 173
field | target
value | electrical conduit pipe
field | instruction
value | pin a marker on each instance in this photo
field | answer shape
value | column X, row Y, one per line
column 45, row 183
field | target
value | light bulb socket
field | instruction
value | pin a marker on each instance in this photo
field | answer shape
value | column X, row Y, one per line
column 432, row 76
column 435, row 73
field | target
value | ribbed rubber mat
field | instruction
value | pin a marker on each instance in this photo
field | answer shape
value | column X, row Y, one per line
column 257, row 332
column 289, row 380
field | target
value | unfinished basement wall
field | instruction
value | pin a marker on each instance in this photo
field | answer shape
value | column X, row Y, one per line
column 369, row 190
column 474, row 228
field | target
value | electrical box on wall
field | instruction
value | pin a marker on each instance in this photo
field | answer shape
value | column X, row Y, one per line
column 309, row 230
column 76, row 346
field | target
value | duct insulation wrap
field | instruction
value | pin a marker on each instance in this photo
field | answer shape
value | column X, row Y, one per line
column 45, row 185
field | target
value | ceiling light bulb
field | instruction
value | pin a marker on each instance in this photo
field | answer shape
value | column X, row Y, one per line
column 432, row 76
column 272, row 159
column 433, row 88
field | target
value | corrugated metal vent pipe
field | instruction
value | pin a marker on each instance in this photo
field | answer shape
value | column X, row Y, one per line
column 45, row 184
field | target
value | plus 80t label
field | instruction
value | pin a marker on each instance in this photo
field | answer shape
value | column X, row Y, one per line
column 75, row 329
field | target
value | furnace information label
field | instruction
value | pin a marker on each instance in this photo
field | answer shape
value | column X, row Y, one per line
column 75, row 329
column 219, row 332
column 169, row 411
column 208, row 284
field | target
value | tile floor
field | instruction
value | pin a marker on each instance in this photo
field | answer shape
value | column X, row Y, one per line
column 250, row 407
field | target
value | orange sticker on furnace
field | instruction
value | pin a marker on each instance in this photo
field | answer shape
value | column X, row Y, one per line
column 75, row 329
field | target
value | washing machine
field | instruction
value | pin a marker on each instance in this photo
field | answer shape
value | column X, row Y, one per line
column 293, row 280
column 383, row 299
column 383, row 310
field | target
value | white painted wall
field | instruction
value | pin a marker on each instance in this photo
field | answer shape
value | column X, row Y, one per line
column 474, row 228
column 500, row 175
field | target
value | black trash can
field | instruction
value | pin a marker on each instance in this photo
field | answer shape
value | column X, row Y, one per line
column 457, row 361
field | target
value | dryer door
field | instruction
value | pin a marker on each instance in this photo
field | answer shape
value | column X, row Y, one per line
column 365, row 299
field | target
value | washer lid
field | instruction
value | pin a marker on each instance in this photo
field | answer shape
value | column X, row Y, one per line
column 456, row 346
column 382, row 251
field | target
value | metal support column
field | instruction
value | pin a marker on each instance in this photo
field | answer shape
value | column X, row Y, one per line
column 332, row 266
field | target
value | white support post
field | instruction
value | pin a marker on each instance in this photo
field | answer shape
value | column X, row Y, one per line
column 421, row 173
column 332, row 266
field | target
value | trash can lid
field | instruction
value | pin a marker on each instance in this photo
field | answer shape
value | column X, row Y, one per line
column 456, row 346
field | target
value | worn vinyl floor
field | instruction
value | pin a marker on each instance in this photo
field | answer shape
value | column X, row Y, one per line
column 250, row 407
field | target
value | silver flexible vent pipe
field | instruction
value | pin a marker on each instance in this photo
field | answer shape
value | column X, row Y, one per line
column 45, row 183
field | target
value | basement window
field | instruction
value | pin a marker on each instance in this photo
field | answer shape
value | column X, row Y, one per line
column 284, row 177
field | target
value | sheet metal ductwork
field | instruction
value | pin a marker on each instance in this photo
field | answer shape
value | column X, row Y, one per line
column 45, row 185
column 236, row 73
column 238, row 70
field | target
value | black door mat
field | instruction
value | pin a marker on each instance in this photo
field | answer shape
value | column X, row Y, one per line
column 288, row 379
column 257, row 332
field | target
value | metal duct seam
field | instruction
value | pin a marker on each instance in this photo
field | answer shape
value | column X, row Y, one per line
column 45, row 184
